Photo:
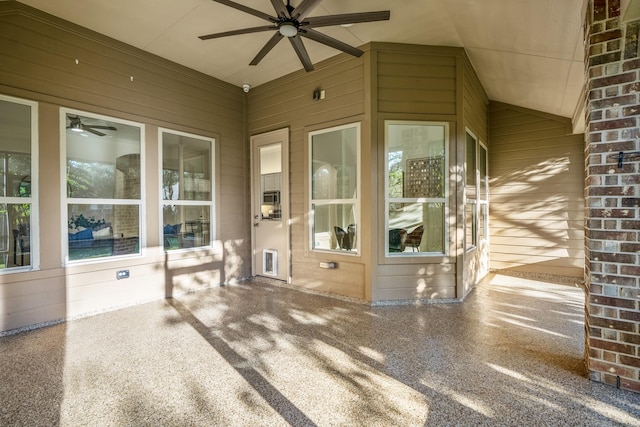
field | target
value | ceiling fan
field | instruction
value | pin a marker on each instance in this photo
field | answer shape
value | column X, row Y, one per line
column 76, row 125
column 291, row 22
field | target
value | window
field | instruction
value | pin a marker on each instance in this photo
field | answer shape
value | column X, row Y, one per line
column 187, row 190
column 476, row 193
column 18, row 194
column 471, row 193
column 103, row 161
column 483, row 191
column 416, row 187
column 335, row 189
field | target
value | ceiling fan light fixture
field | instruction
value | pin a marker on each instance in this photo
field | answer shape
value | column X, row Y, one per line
column 288, row 29
column 76, row 127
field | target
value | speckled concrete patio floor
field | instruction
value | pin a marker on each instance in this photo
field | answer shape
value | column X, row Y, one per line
column 255, row 354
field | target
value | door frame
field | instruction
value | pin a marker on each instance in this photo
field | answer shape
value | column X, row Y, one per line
column 276, row 136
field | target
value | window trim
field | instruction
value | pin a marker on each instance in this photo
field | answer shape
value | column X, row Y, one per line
column 445, row 199
column 356, row 202
column 483, row 202
column 468, row 200
column 478, row 202
column 66, row 201
column 213, row 205
column 34, row 226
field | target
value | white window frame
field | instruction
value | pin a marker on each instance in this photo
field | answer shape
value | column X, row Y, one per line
column 66, row 201
column 483, row 202
column 444, row 200
column 473, row 202
column 325, row 202
column 34, row 225
column 211, row 203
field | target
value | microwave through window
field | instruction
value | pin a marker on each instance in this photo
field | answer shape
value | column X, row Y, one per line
column 271, row 198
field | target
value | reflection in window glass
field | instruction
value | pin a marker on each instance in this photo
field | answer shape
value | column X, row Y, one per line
column 483, row 211
column 484, row 179
column 410, row 221
column 16, row 202
column 187, row 191
column 471, row 223
column 471, row 191
column 334, row 188
column 416, row 182
column 186, row 226
column 470, row 153
column 96, row 231
column 271, row 182
column 483, row 221
column 103, row 159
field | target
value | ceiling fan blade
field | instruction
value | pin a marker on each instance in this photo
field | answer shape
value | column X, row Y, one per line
column 296, row 42
column 273, row 41
column 246, row 9
column 100, row 127
column 238, row 32
column 304, row 9
column 95, row 132
column 281, row 10
column 347, row 18
column 331, row 42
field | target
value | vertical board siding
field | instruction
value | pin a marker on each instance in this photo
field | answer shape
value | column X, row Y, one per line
column 39, row 54
column 536, row 169
column 287, row 102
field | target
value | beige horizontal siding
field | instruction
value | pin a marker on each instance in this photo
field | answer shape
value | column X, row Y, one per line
column 287, row 102
column 39, row 54
column 418, row 280
column 536, row 172
column 416, row 82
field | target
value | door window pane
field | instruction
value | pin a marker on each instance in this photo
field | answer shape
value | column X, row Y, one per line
column 271, row 182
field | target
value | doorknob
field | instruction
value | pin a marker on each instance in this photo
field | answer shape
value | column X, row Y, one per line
column 256, row 224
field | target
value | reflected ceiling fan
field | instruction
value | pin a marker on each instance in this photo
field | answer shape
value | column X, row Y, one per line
column 76, row 125
column 291, row 22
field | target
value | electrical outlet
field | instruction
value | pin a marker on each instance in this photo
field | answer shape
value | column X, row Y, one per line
column 329, row 265
column 122, row 274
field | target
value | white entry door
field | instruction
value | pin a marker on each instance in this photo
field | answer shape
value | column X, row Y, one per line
column 270, row 204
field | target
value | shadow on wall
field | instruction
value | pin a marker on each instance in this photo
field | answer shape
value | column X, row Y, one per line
column 536, row 217
column 197, row 269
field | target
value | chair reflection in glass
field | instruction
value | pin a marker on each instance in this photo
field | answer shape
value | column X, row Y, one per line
column 346, row 239
column 415, row 238
column 397, row 239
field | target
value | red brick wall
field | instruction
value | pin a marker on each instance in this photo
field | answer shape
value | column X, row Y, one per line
column 612, row 229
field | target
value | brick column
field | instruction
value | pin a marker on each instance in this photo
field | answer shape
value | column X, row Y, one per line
column 612, row 229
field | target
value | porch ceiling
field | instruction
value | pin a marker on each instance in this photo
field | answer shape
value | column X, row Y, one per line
column 526, row 53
